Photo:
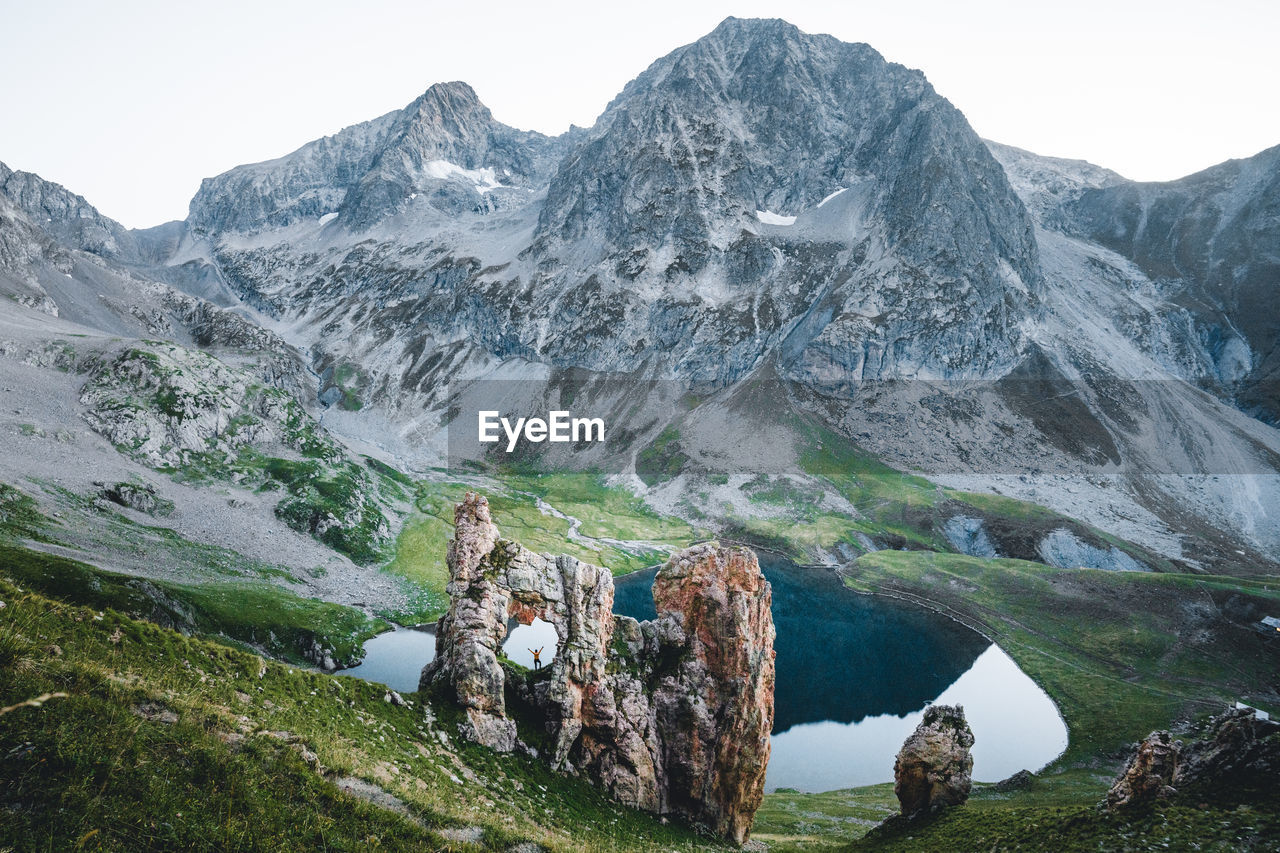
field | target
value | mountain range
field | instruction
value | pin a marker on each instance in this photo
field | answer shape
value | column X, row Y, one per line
column 764, row 225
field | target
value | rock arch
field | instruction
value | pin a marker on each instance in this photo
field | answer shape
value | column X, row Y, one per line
column 672, row 716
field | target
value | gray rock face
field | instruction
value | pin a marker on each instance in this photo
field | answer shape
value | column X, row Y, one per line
column 1048, row 185
column 968, row 536
column 167, row 405
column 934, row 768
column 65, row 216
column 445, row 145
column 1065, row 550
column 1234, row 759
column 24, row 249
column 672, row 716
column 1208, row 240
column 758, row 116
column 1237, row 750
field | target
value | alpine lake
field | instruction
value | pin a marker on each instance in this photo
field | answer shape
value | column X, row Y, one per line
column 854, row 676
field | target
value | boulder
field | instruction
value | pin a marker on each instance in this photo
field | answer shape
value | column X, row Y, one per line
column 934, row 767
column 1234, row 755
column 1149, row 774
column 141, row 497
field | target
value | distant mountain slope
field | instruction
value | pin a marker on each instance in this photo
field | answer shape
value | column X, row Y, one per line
column 445, row 145
column 766, row 207
column 1211, row 241
column 65, row 216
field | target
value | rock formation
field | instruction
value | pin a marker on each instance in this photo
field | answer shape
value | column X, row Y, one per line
column 672, row 716
column 1237, row 752
column 1238, row 749
column 1149, row 774
column 136, row 496
column 933, row 767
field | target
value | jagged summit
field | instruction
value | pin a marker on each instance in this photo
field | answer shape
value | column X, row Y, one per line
column 741, row 48
column 445, row 113
column 67, row 217
column 445, row 146
column 762, row 201
column 696, row 169
column 448, row 92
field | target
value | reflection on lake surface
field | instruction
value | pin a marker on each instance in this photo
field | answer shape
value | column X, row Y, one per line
column 396, row 658
column 1012, row 721
column 855, row 673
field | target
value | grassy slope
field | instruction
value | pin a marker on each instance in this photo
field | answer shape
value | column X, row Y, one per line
column 793, row 821
column 88, row 527
column 1121, row 655
column 226, row 595
column 990, row 823
column 254, row 614
column 891, row 505
column 100, row 770
column 605, row 512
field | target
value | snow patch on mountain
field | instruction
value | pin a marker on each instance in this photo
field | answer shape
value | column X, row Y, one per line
column 483, row 179
column 768, row 217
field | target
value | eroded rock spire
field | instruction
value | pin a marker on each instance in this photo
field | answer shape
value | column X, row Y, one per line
column 672, row 716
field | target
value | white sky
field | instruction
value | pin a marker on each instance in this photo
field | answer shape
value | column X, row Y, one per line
column 131, row 103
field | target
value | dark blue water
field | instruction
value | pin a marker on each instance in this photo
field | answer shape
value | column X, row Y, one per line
column 855, row 672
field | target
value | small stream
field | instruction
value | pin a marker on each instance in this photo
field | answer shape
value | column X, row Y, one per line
column 854, row 675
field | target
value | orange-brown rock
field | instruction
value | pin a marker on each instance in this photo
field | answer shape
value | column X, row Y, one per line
column 716, row 711
column 934, row 767
column 672, row 716
column 1149, row 774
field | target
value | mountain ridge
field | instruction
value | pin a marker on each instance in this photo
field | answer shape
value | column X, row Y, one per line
column 759, row 200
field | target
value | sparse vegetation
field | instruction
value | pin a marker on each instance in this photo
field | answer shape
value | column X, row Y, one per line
column 165, row 742
column 662, row 460
column 266, row 617
column 1121, row 653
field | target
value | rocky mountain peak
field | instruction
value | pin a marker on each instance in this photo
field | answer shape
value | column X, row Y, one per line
column 444, row 147
column 447, row 147
column 65, row 216
column 454, row 101
column 740, row 52
column 447, row 121
column 760, row 138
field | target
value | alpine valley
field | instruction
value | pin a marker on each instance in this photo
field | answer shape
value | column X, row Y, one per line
column 814, row 313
